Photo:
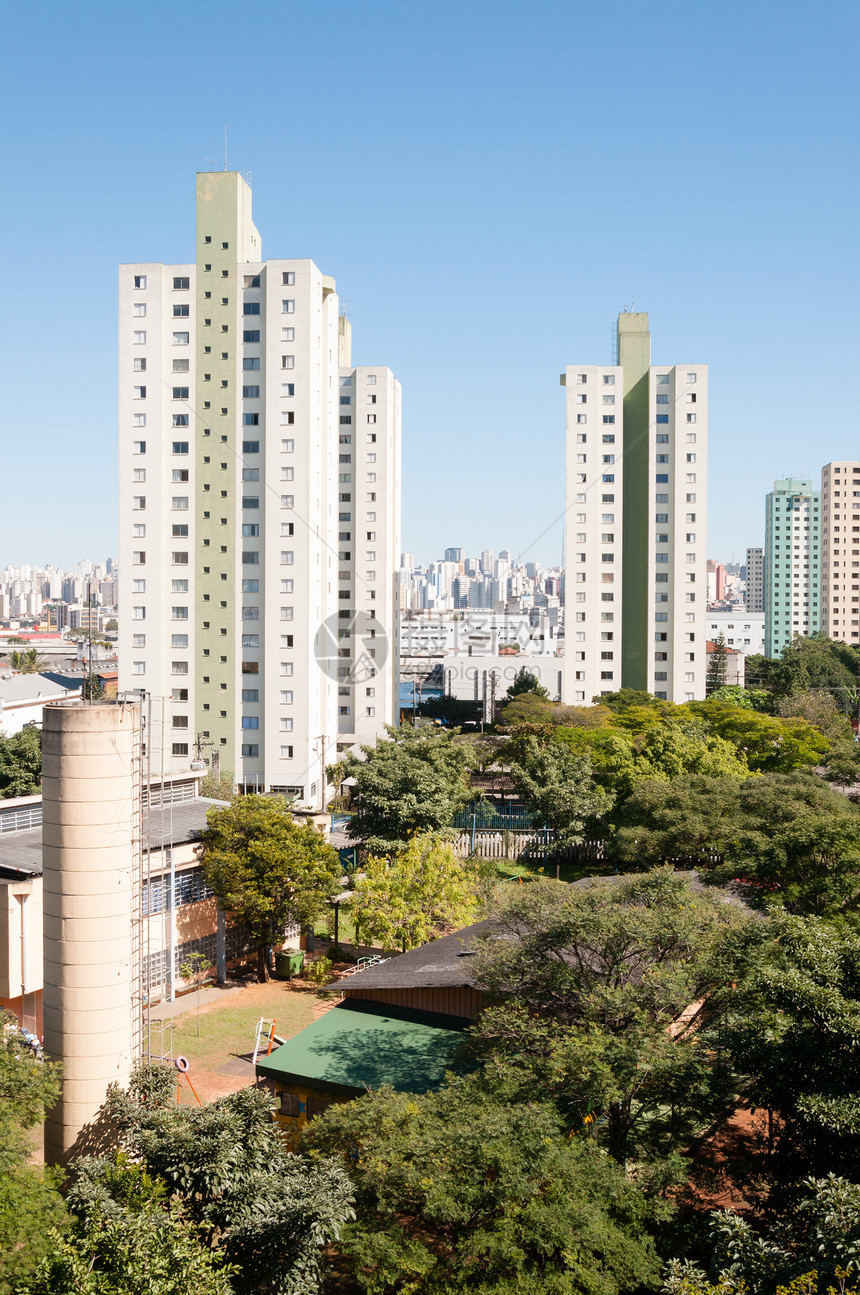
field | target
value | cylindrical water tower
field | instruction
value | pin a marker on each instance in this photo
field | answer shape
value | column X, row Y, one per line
column 90, row 800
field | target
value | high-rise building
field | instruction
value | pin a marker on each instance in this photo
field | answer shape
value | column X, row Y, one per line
column 453, row 555
column 840, row 551
column 368, row 545
column 249, row 493
column 791, row 563
column 635, row 568
column 754, row 595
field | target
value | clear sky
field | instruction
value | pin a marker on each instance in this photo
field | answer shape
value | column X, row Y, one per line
column 489, row 183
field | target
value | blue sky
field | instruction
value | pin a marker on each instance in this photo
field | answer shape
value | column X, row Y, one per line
column 489, row 183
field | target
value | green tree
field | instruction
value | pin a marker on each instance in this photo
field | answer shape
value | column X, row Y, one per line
column 456, row 1192
column 526, row 681
column 600, row 953
column 28, row 662
column 792, row 839
column 422, row 892
column 93, row 689
column 748, row 698
column 263, row 1209
column 267, row 870
column 614, row 963
column 30, row 1203
column 127, row 1236
column 414, row 781
column 21, row 763
column 677, row 747
column 627, row 697
column 641, row 1093
column 842, row 763
column 769, row 743
column 217, row 788
column 556, row 786
column 798, row 840
column 612, row 753
column 717, row 665
column 689, row 819
column 527, row 708
column 821, row 710
column 810, row 1249
column 794, row 1030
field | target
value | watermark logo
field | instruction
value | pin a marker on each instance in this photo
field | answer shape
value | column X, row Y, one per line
column 351, row 650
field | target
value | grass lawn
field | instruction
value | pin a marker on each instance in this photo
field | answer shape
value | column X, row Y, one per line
column 227, row 1030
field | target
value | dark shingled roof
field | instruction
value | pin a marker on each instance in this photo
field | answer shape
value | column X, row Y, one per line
column 21, row 854
column 175, row 824
column 441, row 962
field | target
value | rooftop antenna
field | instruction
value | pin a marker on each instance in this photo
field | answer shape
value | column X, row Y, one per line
column 212, row 163
column 225, row 148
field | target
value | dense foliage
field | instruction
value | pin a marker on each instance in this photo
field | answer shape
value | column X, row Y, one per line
column 413, row 782
column 29, row 1201
column 21, row 763
column 229, row 1181
column 456, row 1191
column 266, row 869
column 422, row 892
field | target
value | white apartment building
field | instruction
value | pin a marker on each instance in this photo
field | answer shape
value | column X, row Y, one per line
column 840, row 551
column 368, row 676
column 742, row 630
column 792, row 563
column 636, row 491
column 230, row 507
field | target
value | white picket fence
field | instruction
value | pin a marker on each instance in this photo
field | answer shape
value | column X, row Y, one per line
column 537, row 846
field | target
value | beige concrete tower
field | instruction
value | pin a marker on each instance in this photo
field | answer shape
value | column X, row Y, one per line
column 90, row 791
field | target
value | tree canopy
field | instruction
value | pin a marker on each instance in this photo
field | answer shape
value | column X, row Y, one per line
column 795, row 1032
column 526, row 681
column 266, row 1212
column 266, row 869
column 21, row 763
column 420, row 893
column 556, row 785
column 457, row 1192
column 29, row 1200
column 411, row 782
column 792, row 839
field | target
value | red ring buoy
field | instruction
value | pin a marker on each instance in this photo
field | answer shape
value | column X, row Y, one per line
column 181, row 1064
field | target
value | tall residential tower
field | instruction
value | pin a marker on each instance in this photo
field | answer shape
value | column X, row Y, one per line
column 840, row 551
column 244, row 500
column 635, row 570
column 791, row 563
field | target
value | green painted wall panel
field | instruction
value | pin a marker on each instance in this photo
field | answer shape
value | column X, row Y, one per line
column 220, row 209
column 634, row 354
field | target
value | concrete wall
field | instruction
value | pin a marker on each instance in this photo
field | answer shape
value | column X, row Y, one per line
column 90, row 787
column 21, row 950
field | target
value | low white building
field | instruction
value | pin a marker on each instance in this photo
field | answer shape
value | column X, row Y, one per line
column 487, row 678
column 23, row 697
column 741, row 629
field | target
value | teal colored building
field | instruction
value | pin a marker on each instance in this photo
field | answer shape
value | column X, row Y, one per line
column 792, row 563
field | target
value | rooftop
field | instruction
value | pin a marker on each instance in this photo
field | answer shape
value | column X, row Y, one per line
column 20, row 688
column 360, row 1045
column 443, row 962
column 172, row 824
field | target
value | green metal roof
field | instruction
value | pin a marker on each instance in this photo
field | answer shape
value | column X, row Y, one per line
column 359, row 1045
